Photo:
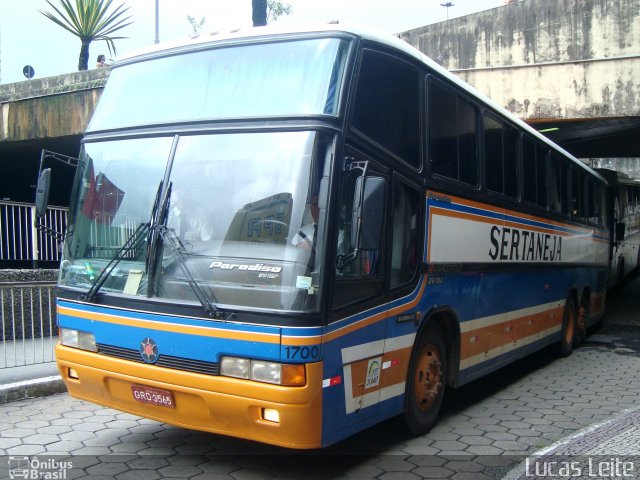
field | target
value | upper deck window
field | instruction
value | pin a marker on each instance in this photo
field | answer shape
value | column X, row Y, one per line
column 286, row 78
column 452, row 128
column 387, row 105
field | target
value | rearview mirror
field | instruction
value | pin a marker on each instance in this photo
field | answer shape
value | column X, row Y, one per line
column 42, row 193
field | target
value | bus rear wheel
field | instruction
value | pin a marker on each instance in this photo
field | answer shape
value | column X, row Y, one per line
column 581, row 325
column 565, row 346
column 426, row 381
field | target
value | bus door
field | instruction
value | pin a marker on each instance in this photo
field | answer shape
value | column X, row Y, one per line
column 354, row 343
column 406, row 288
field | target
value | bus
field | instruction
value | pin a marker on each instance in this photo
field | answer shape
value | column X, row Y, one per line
column 290, row 235
column 623, row 204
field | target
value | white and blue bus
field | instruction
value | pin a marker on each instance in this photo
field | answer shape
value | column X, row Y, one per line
column 291, row 235
column 623, row 204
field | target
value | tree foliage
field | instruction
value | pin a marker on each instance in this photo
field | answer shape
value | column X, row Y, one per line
column 89, row 20
column 276, row 9
column 195, row 25
column 265, row 11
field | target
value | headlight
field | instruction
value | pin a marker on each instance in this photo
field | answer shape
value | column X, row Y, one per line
column 266, row 372
column 78, row 339
column 235, row 367
column 263, row 371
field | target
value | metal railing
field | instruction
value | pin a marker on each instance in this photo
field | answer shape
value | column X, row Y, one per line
column 20, row 240
column 27, row 323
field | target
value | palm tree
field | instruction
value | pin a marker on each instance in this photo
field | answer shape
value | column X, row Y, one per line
column 89, row 21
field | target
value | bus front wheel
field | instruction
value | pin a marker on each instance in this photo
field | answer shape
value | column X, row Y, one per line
column 426, row 381
column 565, row 347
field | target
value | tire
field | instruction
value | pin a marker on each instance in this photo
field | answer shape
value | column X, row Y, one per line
column 426, row 381
column 565, row 346
column 582, row 314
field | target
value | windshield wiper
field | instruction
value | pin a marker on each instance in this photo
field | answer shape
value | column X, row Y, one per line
column 133, row 243
column 176, row 248
column 169, row 238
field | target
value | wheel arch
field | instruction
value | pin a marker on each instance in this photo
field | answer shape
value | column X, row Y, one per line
column 447, row 321
column 573, row 294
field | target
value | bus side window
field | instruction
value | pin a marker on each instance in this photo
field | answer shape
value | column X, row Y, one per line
column 452, row 135
column 555, row 185
column 405, row 252
column 542, row 154
column 577, row 193
column 500, row 156
column 602, row 201
column 529, row 171
column 596, row 199
column 387, row 105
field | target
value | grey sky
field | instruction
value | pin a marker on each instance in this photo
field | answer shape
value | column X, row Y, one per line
column 27, row 37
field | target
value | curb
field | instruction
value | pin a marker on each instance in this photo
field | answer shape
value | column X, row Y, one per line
column 582, row 441
column 38, row 387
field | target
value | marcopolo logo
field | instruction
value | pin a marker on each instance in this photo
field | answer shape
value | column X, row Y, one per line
column 149, row 350
column 38, row 468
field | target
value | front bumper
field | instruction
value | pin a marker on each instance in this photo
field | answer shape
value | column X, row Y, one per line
column 216, row 404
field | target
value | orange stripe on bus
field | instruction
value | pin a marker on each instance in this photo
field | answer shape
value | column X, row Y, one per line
column 493, row 221
column 513, row 213
column 355, row 326
column 301, row 341
column 171, row 327
column 483, row 339
column 377, row 317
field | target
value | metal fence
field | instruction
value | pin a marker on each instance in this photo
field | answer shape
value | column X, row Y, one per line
column 28, row 325
column 20, row 240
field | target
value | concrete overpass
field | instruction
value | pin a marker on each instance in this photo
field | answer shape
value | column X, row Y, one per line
column 570, row 68
column 50, row 113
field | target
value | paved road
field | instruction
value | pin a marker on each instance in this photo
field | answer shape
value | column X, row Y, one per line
column 486, row 429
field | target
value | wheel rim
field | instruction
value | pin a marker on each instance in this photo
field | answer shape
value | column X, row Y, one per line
column 568, row 330
column 428, row 377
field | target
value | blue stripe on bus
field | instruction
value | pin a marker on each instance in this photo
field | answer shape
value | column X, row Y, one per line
column 361, row 316
column 183, row 345
column 502, row 216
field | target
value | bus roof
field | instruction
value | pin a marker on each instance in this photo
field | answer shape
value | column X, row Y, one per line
column 357, row 30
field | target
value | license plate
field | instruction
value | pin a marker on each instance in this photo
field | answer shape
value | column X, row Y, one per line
column 154, row 396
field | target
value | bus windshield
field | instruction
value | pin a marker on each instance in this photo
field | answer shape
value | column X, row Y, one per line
column 244, row 210
column 238, row 81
